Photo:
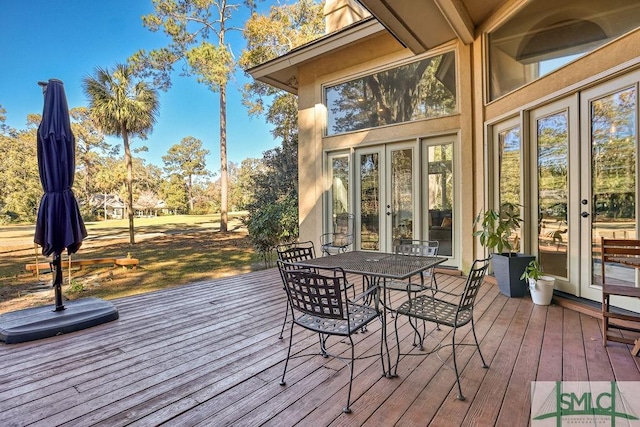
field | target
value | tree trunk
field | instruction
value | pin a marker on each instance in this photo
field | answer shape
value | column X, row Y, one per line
column 129, row 163
column 223, row 158
column 190, row 194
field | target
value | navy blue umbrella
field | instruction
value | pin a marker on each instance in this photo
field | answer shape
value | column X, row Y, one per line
column 59, row 225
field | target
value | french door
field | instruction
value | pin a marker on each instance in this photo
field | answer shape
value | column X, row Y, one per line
column 554, row 202
column 609, row 185
column 387, row 199
column 583, row 162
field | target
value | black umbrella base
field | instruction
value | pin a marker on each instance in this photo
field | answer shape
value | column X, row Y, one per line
column 43, row 322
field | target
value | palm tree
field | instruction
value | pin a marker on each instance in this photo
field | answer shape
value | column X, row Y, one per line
column 122, row 106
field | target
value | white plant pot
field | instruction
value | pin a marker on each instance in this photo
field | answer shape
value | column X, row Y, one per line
column 542, row 290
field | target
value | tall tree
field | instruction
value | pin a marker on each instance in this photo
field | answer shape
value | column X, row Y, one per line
column 107, row 180
column 269, row 36
column 273, row 209
column 190, row 24
column 21, row 188
column 90, row 143
column 174, row 193
column 124, row 106
column 187, row 159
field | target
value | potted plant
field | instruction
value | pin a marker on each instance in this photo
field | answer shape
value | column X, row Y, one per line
column 540, row 285
column 496, row 228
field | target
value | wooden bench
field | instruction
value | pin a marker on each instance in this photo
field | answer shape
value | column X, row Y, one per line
column 81, row 263
column 624, row 252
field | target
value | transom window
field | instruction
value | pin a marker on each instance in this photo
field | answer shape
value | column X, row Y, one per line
column 419, row 90
column 546, row 34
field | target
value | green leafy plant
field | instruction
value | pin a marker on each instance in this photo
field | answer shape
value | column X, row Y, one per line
column 533, row 271
column 76, row 287
column 497, row 226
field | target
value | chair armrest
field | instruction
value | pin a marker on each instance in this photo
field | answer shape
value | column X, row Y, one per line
column 435, row 291
column 366, row 294
column 326, row 239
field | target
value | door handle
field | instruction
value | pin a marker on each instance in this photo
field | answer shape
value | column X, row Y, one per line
column 584, row 214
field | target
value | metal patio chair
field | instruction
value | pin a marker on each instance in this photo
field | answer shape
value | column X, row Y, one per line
column 290, row 253
column 427, row 279
column 319, row 303
column 446, row 309
column 341, row 238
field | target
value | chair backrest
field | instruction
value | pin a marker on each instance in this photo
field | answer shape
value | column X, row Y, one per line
column 623, row 251
column 320, row 292
column 418, row 248
column 343, row 229
column 296, row 251
column 472, row 286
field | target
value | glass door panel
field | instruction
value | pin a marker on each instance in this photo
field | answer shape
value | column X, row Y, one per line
column 553, row 193
column 400, row 207
column 370, row 203
column 386, row 191
column 440, row 198
column 613, row 151
column 339, row 175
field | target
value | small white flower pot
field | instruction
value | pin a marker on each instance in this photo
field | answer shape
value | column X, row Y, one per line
column 542, row 290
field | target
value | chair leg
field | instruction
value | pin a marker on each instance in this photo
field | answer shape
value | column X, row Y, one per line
column 347, row 409
column 605, row 319
column 286, row 363
column 323, row 345
column 284, row 322
column 395, row 326
column 416, row 333
column 455, row 365
column 473, row 329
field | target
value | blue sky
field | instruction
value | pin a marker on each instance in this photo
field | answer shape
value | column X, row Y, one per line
column 67, row 39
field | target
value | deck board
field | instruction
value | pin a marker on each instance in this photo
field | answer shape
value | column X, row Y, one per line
column 208, row 354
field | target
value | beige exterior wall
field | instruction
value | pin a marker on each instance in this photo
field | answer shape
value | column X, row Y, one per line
column 363, row 58
column 312, row 117
column 470, row 125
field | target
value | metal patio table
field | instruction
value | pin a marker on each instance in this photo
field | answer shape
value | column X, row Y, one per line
column 377, row 268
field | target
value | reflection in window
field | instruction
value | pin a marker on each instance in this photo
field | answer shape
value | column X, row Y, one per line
column 542, row 37
column 370, row 202
column 440, row 200
column 402, row 195
column 613, row 176
column 509, row 171
column 553, row 189
column 415, row 91
column 339, row 185
column 509, row 168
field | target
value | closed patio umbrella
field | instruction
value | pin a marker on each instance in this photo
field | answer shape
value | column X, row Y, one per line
column 59, row 225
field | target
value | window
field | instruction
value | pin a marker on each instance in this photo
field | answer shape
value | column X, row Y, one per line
column 420, row 90
column 508, row 170
column 546, row 34
column 440, row 192
column 339, row 184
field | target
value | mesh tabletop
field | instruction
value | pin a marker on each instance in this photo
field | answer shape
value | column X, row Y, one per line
column 390, row 266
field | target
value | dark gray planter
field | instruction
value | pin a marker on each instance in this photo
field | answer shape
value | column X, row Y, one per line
column 507, row 271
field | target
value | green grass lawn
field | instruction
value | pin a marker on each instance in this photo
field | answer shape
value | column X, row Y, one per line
column 173, row 250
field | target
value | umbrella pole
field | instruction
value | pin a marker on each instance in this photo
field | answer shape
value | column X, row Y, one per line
column 57, row 282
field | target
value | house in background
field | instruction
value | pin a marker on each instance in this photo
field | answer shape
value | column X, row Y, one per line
column 415, row 115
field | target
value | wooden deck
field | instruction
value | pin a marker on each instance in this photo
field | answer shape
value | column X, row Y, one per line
column 209, row 354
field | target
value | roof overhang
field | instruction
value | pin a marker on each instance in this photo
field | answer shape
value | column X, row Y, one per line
column 419, row 25
column 282, row 72
column 422, row 25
